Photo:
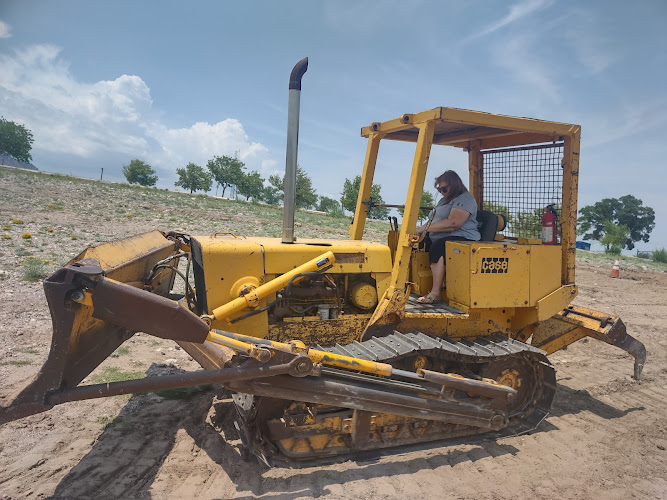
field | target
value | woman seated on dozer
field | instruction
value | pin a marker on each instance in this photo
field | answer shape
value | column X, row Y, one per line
column 455, row 220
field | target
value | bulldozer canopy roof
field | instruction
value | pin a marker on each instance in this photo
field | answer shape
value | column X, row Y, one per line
column 458, row 127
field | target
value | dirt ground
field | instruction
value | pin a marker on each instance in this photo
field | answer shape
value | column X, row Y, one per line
column 606, row 436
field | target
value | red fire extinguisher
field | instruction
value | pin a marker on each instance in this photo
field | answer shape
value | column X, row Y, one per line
column 549, row 219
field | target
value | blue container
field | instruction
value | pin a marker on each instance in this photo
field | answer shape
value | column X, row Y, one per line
column 582, row 245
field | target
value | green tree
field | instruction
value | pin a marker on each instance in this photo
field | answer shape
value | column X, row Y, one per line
column 350, row 193
column 138, row 172
column 226, row 171
column 15, row 140
column 329, row 205
column 194, row 178
column 251, row 185
column 528, row 224
column 271, row 195
column 305, row 197
column 426, row 201
column 624, row 211
column 499, row 210
column 614, row 237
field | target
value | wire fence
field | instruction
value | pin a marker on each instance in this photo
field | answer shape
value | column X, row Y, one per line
column 520, row 183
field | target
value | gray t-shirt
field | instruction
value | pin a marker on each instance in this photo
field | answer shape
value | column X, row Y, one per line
column 464, row 201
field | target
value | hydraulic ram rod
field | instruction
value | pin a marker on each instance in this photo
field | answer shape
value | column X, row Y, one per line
column 244, row 343
column 252, row 298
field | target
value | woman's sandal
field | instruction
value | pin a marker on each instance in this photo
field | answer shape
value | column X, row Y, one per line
column 427, row 299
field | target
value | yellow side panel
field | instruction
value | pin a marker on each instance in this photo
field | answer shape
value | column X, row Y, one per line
column 545, row 270
column 499, row 275
column 458, row 272
column 420, row 273
column 488, row 275
column 228, row 263
column 382, row 281
column 555, row 302
column 352, row 256
column 231, row 262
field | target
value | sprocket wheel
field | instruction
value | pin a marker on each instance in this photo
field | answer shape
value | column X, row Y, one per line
column 515, row 372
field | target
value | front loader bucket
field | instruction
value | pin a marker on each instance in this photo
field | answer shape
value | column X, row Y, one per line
column 574, row 323
column 84, row 336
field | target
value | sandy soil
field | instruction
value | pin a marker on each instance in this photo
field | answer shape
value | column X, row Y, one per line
column 606, row 436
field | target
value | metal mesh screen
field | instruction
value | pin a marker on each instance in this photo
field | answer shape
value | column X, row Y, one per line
column 520, row 182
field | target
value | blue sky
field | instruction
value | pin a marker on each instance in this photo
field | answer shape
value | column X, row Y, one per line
column 101, row 83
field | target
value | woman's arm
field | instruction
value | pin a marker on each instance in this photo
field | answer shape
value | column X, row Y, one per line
column 456, row 219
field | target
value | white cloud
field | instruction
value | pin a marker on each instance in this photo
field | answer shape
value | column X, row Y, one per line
column 517, row 11
column 270, row 167
column 202, row 141
column 5, row 30
column 94, row 120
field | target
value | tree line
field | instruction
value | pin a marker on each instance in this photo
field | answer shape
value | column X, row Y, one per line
column 230, row 174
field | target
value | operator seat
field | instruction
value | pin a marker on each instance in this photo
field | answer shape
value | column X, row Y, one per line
column 487, row 224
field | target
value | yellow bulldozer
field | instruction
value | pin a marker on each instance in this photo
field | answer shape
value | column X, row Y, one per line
column 322, row 343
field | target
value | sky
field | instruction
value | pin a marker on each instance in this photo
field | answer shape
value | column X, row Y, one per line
column 102, row 83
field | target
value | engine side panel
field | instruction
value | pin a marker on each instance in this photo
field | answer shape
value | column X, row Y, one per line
column 225, row 266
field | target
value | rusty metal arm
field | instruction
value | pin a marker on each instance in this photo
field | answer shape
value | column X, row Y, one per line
column 409, row 400
column 299, row 366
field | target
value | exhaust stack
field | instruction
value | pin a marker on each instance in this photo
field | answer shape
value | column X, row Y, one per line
column 292, row 147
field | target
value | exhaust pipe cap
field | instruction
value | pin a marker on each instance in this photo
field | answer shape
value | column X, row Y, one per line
column 297, row 73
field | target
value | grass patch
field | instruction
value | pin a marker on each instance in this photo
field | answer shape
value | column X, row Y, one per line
column 660, row 255
column 107, row 422
column 627, row 261
column 183, row 393
column 16, row 362
column 56, row 205
column 22, row 252
column 28, row 351
column 121, row 351
column 114, row 374
column 34, row 269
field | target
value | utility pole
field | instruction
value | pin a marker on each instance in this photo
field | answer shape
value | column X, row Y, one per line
column 101, row 174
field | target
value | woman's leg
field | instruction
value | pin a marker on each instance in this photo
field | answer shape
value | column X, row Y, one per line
column 438, row 271
column 436, row 257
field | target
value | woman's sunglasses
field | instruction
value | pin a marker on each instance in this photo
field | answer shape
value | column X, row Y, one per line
column 443, row 190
